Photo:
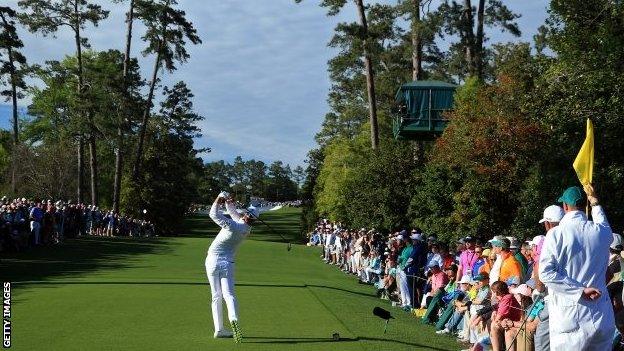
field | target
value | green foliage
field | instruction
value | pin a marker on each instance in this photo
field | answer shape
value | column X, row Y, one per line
column 13, row 67
column 249, row 178
column 167, row 31
column 47, row 16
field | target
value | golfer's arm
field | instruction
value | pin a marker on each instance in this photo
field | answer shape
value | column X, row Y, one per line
column 231, row 208
column 217, row 216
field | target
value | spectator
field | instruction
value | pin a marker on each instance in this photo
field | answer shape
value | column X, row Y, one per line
column 509, row 309
column 510, row 267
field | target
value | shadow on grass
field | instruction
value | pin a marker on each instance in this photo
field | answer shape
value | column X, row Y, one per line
column 263, row 285
column 76, row 257
column 282, row 340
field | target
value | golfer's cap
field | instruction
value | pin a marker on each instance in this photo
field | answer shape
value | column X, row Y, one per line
column 537, row 240
column 521, row 289
column 616, row 245
column 466, row 280
column 481, row 277
column 572, row 196
column 552, row 213
column 253, row 211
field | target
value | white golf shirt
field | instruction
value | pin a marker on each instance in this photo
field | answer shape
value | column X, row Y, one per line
column 233, row 231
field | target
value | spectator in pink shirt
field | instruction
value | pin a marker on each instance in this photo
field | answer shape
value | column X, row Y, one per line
column 439, row 279
column 467, row 258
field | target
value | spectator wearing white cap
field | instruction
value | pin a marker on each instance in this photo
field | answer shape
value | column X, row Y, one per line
column 550, row 219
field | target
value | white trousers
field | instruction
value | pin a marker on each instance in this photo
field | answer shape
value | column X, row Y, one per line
column 582, row 326
column 35, row 229
column 404, row 289
column 221, row 278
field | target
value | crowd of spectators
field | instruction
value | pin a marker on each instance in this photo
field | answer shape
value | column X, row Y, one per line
column 27, row 223
column 493, row 294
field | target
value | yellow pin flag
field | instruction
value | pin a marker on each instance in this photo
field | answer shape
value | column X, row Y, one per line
column 584, row 162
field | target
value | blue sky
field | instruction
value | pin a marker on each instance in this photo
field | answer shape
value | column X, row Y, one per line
column 259, row 78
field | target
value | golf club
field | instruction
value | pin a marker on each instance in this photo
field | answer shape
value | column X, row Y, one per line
column 289, row 245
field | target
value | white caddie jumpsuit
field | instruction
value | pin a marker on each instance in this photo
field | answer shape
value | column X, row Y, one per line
column 220, row 262
column 575, row 256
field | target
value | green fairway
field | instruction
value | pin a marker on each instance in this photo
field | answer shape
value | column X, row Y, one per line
column 123, row 294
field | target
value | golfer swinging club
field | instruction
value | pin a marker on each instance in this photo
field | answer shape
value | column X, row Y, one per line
column 220, row 262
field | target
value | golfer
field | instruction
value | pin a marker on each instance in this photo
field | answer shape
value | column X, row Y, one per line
column 220, row 262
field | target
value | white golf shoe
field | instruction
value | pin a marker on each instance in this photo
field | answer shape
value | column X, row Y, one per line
column 223, row 334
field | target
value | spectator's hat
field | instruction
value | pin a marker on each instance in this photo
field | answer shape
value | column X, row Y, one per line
column 481, row 277
column 486, row 253
column 500, row 241
column 572, row 196
column 513, row 281
column 537, row 241
column 553, row 214
column 416, row 236
column 466, row 280
column 616, row 245
column 461, row 240
column 432, row 237
column 469, row 239
column 513, row 243
column 530, row 283
column 521, row 289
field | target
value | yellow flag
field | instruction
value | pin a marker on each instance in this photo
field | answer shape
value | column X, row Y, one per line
column 584, row 162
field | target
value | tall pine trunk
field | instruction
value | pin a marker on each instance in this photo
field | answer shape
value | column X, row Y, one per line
column 13, row 82
column 76, row 27
column 478, row 46
column 467, row 28
column 80, row 169
column 146, row 114
column 417, row 71
column 94, row 170
column 15, row 125
column 370, row 78
column 120, row 122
